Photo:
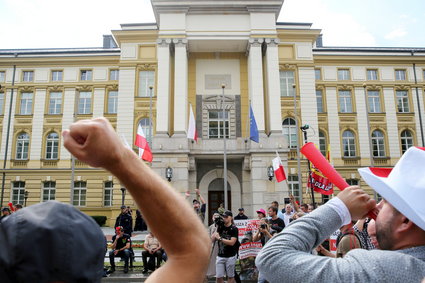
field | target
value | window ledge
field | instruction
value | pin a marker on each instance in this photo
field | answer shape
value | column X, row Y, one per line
column 351, row 157
column 50, row 162
column 381, row 157
column 19, row 162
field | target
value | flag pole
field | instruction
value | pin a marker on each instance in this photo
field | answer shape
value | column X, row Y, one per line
column 150, row 117
column 286, row 180
column 223, row 86
column 248, row 134
column 300, row 184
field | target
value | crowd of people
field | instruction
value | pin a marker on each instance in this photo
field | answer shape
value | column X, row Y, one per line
column 389, row 249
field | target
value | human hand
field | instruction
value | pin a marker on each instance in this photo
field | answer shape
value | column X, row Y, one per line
column 95, row 143
column 357, row 201
column 216, row 235
column 187, row 194
column 291, row 197
column 197, row 192
column 116, row 252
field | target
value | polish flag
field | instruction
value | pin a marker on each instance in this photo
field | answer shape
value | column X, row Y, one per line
column 144, row 151
column 191, row 129
column 279, row 173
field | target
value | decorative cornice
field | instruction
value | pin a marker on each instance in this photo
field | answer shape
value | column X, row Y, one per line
column 287, row 67
column 26, row 89
column 147, row 67
column 55, row 88
column 112, row 87
column 84, row 88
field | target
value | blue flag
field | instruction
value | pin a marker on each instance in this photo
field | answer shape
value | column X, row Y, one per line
column 254, row 136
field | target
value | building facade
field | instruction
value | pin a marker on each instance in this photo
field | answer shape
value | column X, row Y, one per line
column 365, row 104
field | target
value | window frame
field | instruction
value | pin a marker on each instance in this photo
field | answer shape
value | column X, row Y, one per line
column 403, row 140
column 28, row 106
column 52, row 76
column 320, row 98
column 53, row 143
column 149, row 80
column 400, row 71
column 85, row 103
column 112, row 77
column 293, row 186
column 341, row 76
column 405, row 101
column 49, row 190
column 22, row 149
column 285, row 83
column 323, row 143
column 2, row 101
column 292, row 134
column 376, row 74
column 345, row 99
column 378, row 144
column 80, row 189
column 351, row 143
column 20, row 195
column 55, row 104
column 27, row 79
column 372, row 101
column 146, row 129
column 115, row 102
column 220, row 125
column 110, row 189
column 88, row 75
column 318, row 74
column 2, row 77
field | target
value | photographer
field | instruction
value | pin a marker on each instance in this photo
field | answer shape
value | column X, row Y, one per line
column 214, row 247
column 228, row 246
column 263, row 234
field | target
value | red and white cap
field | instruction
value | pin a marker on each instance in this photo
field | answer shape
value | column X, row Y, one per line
column 403, row 186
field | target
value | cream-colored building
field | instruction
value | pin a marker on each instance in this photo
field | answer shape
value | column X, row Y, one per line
column 193, row 48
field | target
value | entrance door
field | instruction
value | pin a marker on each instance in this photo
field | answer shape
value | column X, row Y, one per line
column 214, row 200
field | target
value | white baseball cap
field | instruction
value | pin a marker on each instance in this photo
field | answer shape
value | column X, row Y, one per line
column 404, row 186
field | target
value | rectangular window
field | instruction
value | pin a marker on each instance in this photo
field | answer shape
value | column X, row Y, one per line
column 57, row 76
column 18, row 192
column 114, row 75
column 319, row 99
column 402, row 101
column 112, row 102
column 345, row 104
column 28, row 76
column 146, row 79
column 26, row 103
column 1, row 103
column 287, row 81
column 343, row 74
column 318, row 74
column 86, row 75
column 374, row 101
column 79, row 197
column 55, row 103
column 400, row 75
column 84, row 103
column 49, row 191
column 294, row 186
column 2, row 76
column 372, row 75
column 216, row 126
column 109, row 187
column 352, row 182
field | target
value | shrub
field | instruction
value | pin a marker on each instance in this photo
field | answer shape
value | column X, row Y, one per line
column 100, row 219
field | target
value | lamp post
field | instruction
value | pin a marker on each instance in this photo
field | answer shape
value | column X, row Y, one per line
column 270, row 172
column 122, row 196
column 223, row 86
column 169, row 173
column 25, row 198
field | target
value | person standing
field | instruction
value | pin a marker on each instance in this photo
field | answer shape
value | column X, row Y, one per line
column 276, row 223
column 124, row 220
column 228, row 246
column 214, row 246
column 241, row 215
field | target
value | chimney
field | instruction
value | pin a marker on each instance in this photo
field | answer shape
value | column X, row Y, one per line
column 108, row 41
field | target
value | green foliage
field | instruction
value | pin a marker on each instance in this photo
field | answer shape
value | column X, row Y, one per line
column 100, row 219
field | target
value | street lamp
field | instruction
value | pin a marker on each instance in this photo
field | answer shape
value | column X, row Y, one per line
column 122, row 196
column 270, row 172
column 25, row 198
column 169, row 173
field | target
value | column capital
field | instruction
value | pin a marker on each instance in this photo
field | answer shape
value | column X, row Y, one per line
column 272, row 41
column 164, row 42
column 180, row 42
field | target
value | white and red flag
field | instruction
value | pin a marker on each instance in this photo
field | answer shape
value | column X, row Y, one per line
column 279, row 173
column 191, row 129
column 141, row 142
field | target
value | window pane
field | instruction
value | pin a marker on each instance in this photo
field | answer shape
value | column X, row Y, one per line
column 2, row 77
column 112, row 102
column 317, row 74
column 28, row 76
column 216, row 127
column 343, row 74
column 400, row 75
column 345, row 101
column 26, row 103
column 374, row 101
column 56, row 75
column 113, row 75
column 319, row 99
column 287, row 80
column 86, row 75
column 372, row 75
column 84, row 103
column 402, row 101
column 146, row 79
column 289, row 132
column 322, row 143
column 348, row 142
column 1, row 103
column 55, row 103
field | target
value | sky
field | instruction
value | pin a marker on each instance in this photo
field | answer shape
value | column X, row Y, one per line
column 81, row 23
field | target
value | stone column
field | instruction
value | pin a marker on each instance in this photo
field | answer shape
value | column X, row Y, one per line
column 163, row 86
column 273, row 86
column 180, row 86
column 7, row 95
column 37, row 126
column 255, row 81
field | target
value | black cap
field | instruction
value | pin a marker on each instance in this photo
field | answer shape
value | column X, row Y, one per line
column 123, row 206
column 195, row 201
column 241, row 209
column 227, row 213
column 5, row 208
column 43, row 243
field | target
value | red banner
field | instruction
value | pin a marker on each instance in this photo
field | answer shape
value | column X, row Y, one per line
column 319, row 183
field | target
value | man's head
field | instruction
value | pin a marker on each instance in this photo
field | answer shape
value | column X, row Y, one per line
column 400, row 223
column 241, row 211
column 288, row 208
column 215, row 215
column 123, row 209
column 272, row 211
column 228, row 217
column 18, row 206
column 275, row 204
column 5, row 211
column 196, row 204
column 310, row 208
column 119, row 230
column 304, row 208
column 52, row 236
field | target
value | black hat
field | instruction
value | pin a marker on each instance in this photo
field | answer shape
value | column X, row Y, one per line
column 195, row 201
column 123, row 206
column 241, row 209
column 5, row 208
column 43, row 243
column 227, row 213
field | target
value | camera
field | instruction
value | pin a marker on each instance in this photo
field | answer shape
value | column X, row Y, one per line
column 263, row 226
column 219, row 223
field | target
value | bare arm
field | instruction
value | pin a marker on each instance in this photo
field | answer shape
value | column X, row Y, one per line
column 201, row 198
column 96, row 143
column 294, row 204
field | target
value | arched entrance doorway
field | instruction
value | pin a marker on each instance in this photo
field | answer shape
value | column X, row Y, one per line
column 211, row 186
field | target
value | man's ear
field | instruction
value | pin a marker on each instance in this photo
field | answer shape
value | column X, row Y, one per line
column 404, row 224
